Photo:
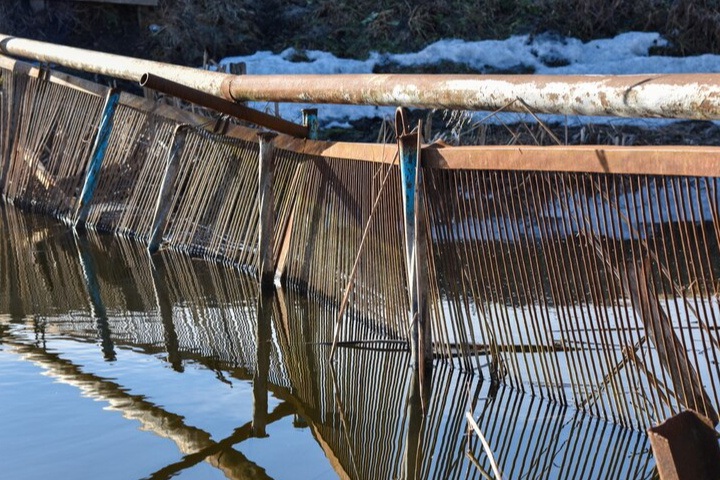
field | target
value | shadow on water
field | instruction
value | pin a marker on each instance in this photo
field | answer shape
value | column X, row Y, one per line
column 365, row 412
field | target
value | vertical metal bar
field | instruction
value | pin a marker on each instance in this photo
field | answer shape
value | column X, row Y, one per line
column 310, row 120
column 415, row 248
column 162, row 207
column 96, row 157
column 266, row 247
column 420, row 269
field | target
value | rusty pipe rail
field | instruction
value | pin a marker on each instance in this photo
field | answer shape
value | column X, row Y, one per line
column 688, row 96
column 242, row 112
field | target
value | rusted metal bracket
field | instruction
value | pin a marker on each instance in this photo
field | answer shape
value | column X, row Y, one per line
column 222, row 124
column 686, row 448
column 203, row 99
column 310, row 121
column 44, row 72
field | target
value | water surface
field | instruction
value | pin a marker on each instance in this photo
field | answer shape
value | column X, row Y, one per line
column 117, row 365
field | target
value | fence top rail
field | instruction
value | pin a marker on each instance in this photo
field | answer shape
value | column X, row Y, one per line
column 646, row 160
column 690, row 96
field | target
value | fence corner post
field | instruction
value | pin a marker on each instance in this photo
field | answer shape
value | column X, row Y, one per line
column 415, row 248
column 266, row 247
column 97, row 155
column 310, row 120
column 162, row 206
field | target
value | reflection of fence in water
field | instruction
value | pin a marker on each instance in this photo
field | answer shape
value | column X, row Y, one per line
column 365, row 413
column 532, row 438
column 601, row 281
column 40, row 276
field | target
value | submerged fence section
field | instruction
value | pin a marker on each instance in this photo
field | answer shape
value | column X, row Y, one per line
column 586, row 276
column 364, row 412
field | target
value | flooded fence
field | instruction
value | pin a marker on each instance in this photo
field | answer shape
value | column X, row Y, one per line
column 583, row 275
column 365, row 410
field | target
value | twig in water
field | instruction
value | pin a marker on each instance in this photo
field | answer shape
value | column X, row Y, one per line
column 486, row 446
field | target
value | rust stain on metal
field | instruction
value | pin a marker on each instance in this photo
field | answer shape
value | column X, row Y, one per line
column 686, row 448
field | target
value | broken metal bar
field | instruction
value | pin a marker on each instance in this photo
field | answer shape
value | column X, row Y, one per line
column 673, row 357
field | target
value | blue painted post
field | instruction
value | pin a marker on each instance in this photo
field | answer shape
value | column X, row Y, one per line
column 415, row 248
column 310, row 120
column 96, row 158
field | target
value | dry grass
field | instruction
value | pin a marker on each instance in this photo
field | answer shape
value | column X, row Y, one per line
column 183, row 30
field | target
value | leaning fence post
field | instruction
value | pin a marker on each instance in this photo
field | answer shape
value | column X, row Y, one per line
column 415, row 248
column 162, row 206
column 266, row 246
column 310, row 120
column 96, row 158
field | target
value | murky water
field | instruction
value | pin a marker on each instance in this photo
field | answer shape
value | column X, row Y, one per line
column 116, row 365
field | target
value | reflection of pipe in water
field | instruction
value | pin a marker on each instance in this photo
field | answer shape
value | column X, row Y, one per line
column 189, row 440
column 97, row 308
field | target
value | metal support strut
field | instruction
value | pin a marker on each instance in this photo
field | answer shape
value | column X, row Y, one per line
column 162, row 206
column 96, row 158
column 266, row 269
column 416, row 256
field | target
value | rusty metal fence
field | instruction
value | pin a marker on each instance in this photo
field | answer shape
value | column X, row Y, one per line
column 585, row 275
